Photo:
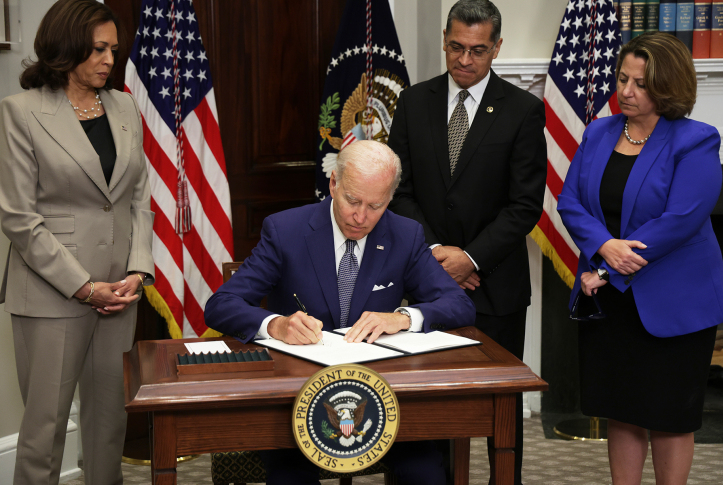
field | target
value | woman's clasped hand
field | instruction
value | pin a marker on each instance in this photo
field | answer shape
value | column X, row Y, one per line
column 619, row 254
column 110, row 298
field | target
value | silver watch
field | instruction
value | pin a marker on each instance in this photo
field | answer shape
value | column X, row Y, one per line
column 603, row 274
column 404, row 311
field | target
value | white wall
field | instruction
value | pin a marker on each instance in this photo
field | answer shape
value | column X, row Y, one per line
column 529, row 27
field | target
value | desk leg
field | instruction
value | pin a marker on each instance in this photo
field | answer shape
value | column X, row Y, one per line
column 461, row 461
column 163, row 448
column 502, row 444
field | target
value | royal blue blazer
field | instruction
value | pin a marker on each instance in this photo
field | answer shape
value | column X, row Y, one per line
column 672, row 189
column 296, row 255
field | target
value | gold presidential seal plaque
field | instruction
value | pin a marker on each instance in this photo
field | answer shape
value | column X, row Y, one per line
column 346, row 418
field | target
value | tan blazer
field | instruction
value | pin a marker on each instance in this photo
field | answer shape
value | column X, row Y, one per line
column 65, row 224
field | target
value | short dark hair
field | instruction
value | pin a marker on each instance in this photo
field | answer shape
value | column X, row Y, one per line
column 65, row 40
column 669, row 77
column 472, row 12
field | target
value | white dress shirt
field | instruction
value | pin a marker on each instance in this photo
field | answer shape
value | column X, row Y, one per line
column 339, row 250
column 471, row 104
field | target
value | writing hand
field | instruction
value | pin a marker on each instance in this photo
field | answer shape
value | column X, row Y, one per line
column 618, row 253
column 590, row 282
column 373, row 324
column 296, row 329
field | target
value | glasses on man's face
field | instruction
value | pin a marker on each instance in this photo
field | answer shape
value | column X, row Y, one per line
column 477, row 53
column 575, row 307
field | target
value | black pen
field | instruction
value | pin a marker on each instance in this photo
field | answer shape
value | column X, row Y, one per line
column 300, row 305
column 303, row 309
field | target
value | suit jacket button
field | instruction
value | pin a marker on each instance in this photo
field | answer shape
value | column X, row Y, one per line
column 106, row 208
column 242, row 337
column 450, row 206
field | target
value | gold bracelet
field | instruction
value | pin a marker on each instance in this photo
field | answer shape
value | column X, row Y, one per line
column 92, row 289
column 141, row 278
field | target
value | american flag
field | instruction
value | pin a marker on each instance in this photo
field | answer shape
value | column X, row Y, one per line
column 168, row 73
column 580, row 87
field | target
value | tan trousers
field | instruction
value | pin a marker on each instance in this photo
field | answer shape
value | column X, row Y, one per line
column 52, row 355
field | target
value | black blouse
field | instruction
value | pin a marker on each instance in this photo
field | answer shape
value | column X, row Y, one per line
column 612, row 187
column 100, row 136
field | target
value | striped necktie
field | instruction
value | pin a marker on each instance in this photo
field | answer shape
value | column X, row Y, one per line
column 457, row 130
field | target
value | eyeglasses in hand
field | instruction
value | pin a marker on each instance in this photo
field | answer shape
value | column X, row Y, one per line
column 575, row 307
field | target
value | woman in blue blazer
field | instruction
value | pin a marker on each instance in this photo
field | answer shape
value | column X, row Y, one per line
column 637, row 201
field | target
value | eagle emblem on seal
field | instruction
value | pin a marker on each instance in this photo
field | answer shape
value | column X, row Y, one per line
column 355, row 124
column 346, row 413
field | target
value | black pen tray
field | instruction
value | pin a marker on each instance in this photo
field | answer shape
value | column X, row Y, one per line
column 216, row 362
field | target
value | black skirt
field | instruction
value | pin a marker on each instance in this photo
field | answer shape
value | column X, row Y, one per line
column 631, row 376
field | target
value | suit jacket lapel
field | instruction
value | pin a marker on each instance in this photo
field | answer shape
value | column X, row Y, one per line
column 320, row 244
column 640, row 170
column 482, row 122
column 601, row 157
column 56, row 116
column 372, row 264
column 438, row 126
column 120, row 128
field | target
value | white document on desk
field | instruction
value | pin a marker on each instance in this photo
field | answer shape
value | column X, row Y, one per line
column 334, row 351
column 215, row 346
column 420, row 343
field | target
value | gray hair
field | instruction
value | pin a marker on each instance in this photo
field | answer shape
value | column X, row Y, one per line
column 370, row 158
column 471, row 12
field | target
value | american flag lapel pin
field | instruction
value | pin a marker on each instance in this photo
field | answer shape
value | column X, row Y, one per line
column 123, row 127
column 380, row 247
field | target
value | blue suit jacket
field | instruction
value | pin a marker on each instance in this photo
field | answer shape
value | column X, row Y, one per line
column 296, row 255
column 672, row 189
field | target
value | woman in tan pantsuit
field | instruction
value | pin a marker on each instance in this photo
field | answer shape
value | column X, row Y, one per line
column 75, row 204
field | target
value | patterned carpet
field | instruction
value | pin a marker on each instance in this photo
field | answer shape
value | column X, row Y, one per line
column 546, row 462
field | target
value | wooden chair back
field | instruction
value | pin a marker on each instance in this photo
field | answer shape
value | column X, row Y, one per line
column 229, row 269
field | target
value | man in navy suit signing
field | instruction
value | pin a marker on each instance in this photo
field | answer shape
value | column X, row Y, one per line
column 350, row 261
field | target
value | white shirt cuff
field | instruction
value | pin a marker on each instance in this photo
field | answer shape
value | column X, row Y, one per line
column 417, row 319
column 470, row 258
column 263, row 330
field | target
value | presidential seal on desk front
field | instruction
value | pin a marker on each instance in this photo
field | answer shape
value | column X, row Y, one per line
column 346, row 418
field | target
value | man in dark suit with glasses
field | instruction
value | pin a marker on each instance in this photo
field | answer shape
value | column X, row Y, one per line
column 474, row 162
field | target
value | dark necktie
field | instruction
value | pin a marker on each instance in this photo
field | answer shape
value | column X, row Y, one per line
column 348, row 269
column 457, row 130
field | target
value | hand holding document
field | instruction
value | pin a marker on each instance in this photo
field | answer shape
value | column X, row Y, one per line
column 373, row 324
column 419, row 343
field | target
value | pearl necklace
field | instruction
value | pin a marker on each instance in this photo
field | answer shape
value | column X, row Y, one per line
column 84, row 112
column 634, row 142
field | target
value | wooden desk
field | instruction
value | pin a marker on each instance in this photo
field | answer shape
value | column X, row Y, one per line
column 455, row 394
